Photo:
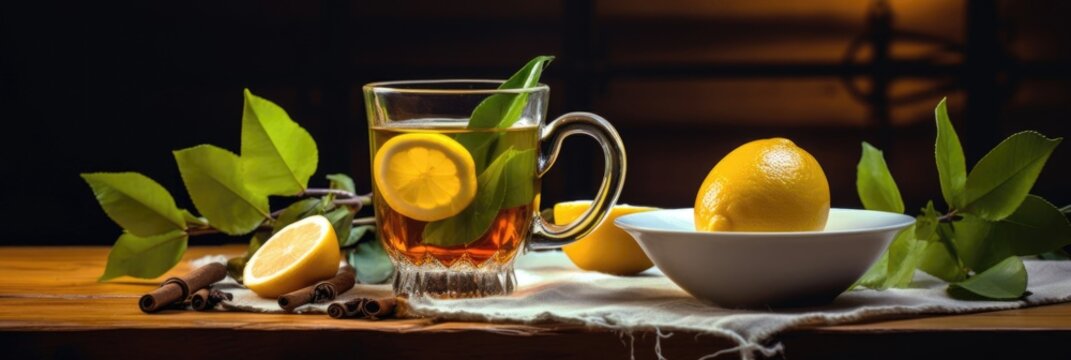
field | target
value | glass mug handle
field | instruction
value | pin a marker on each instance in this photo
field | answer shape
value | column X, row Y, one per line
column 547, row 235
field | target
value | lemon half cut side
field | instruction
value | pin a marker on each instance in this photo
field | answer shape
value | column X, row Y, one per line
column 300, row 254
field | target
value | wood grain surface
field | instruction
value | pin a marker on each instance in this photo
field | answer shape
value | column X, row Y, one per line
column 52, row 306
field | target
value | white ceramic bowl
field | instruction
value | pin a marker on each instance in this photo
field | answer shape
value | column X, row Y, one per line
column 758, row 269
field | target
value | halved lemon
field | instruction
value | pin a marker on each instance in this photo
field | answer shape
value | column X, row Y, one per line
column 425, row 176
column 297, row 256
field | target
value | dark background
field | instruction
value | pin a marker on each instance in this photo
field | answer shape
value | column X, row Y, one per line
column 115, row 86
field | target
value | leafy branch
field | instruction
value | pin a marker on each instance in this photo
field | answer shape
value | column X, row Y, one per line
column 992, row 219
column 231, row 191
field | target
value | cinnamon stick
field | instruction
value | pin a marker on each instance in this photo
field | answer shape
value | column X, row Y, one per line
column 206, row 299
column 375, row 309
column 177, row 289
column 322, row 291
column 346, row 309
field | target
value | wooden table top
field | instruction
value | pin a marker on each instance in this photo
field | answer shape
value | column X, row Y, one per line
column 52, row 306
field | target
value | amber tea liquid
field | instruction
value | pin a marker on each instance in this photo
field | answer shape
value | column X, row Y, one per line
column 403, row 236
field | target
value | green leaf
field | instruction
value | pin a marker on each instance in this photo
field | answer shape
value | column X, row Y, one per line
column 520, row 176
column 926, row 223
column 136, row 202
column 342, row 182
column 214, row 180
column 1004, row 281
column 236, row 267
column 256, row 241
column 874, row 277
column 905, row 254
column 473, row 222
column 951, row 166
column 500, row 111
column 876, row 187
column 278, row 156
column 145, row 257
column 298, row 210
column 896, row 267
column 1066, row 209
column 342, row 220
column 938, row 259
column 1034, row 228
column 372, row 263
column 192, row 219
column 1002, row 179
column 357, row 233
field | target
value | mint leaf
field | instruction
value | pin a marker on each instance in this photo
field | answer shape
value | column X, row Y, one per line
column 144, row 257
column 1034, row 228
column 876, row 187
column 473, row 222
column 342, row 182
column 278, row 156
column 500, row 111
column 1004, row 281
column 214, row 180
column 342, row 220
column 520, row 176
column 1001, row 180
column 136, row 202
column 356, row 233
column 938, row 259
column 951, row 166
column 296, row 211
column 372, row 263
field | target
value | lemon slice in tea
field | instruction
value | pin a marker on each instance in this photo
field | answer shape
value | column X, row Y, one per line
column 425, row 176
column 300, row 254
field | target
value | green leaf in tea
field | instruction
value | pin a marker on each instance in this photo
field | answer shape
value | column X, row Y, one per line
column 214, row 180
column 500, row 111
column 951, row 166
column 372, row 263
column 278, row 156
column 144, row 257
column 1035, row 227
column 470, row 224
column 1003, row 177
column 520, row 177
column 876, row 187
column 136, row 202
column 296, row 211
column 342, row 182
column 1004, row 281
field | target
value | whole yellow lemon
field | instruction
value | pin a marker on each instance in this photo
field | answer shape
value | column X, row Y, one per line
column 606, row 249
column 764, row 185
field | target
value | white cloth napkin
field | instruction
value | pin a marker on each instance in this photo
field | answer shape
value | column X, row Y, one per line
column 552, row 289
